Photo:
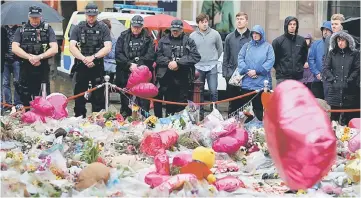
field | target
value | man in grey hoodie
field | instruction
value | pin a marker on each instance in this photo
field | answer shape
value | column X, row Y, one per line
column 209, row 45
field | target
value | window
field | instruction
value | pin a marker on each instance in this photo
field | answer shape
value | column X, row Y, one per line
column 122, row 22
column 347, row 8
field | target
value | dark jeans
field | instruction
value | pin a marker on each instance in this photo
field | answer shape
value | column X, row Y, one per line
column 316, row 88
column 256, row 103
column 212, row 80
column 233, row 91
column 97, row 98
column 14, row 69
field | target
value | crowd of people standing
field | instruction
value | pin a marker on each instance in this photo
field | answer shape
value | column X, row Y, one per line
column 329, row 67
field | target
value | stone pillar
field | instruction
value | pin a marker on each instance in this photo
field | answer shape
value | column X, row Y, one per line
column 288, row 8
column 179, row 9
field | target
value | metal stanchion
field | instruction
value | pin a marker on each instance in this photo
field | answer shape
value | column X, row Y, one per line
column 106, row 78
column 266, row 86
column 43, row 90
column 197, row 91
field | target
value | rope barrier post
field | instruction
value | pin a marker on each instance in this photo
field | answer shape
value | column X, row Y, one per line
column 106, row 78
column 43, row 90
column 266, row 86
column 197, row 91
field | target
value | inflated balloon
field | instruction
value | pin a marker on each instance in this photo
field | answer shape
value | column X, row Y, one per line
column 161, row 162
column 354, row 143
column 41, row 106
column 140, row 75
column 182, row 159
column 144, row 90
column 241, row 135
column 229, row 184
column 155, row 179
column 176, row 182
column 152, row 144
column 59, row 102
column 355, row 123
column 227, row 145
column 265, row 99
column 31, row 117
column 299, row 136
column 169, row 138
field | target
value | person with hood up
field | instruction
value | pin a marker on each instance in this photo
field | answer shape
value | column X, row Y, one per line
column 342, row 71
column 290, row 52
column 134, row 48
column 255, row 61
column 315, row 58
column 308, row 77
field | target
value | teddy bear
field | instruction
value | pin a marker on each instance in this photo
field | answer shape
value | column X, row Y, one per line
column 203, row 160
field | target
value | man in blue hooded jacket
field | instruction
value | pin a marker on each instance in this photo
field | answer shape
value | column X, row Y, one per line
column 319, row 89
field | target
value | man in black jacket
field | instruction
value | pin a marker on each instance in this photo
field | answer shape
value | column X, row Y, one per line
column 176, row 56
column 290, row 52
column 233, row 44
column 134, row 48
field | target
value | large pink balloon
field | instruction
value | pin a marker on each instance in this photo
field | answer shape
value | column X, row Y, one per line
column 355, row 123
column 42, row 107
column 144, row 90
column 299, row 135
column 139, row 75
column 59, row 101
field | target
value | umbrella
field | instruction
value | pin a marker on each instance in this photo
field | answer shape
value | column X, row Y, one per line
column 16, row 12
column 163, row 21
column 117, row 26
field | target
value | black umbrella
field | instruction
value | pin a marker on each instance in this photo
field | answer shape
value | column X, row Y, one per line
column 16, row 12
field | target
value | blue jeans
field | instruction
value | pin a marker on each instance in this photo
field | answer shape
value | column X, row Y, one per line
column 9, row 68
column 212, row 80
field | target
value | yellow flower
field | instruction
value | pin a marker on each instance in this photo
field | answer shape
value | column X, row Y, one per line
column 108, row 124
column 58, row 178
column 301, row 192
column 31, row 167
column 35, row 182
column 135, row 108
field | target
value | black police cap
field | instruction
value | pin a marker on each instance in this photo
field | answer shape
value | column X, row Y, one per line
column 137, row 21
column 176, row 25
column 35, row 11
column 91, row 9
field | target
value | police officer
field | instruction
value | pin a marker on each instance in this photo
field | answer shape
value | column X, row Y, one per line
column 34, row 43
column 176, row 56
column 134, row 48
column 90, row 41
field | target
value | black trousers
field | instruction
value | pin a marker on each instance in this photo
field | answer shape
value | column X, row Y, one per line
column 171, row 91
column 233, row 91
column 316, row 88
column 30, row 81
column 256, row 103
column 97, row 98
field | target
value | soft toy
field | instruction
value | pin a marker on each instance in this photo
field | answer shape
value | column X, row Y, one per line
column 203, row 160
column 92, row 174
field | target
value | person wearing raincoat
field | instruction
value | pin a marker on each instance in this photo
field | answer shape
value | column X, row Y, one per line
column 109, row 60
column 255, row 61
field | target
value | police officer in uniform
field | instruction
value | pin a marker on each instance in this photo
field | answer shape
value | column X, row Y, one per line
column 134, row 48
column 90, row 41
column 176, row 56
column 34, row 43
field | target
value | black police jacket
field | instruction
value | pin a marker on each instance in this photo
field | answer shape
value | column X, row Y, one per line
column 122, row 51
column 185, row 63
